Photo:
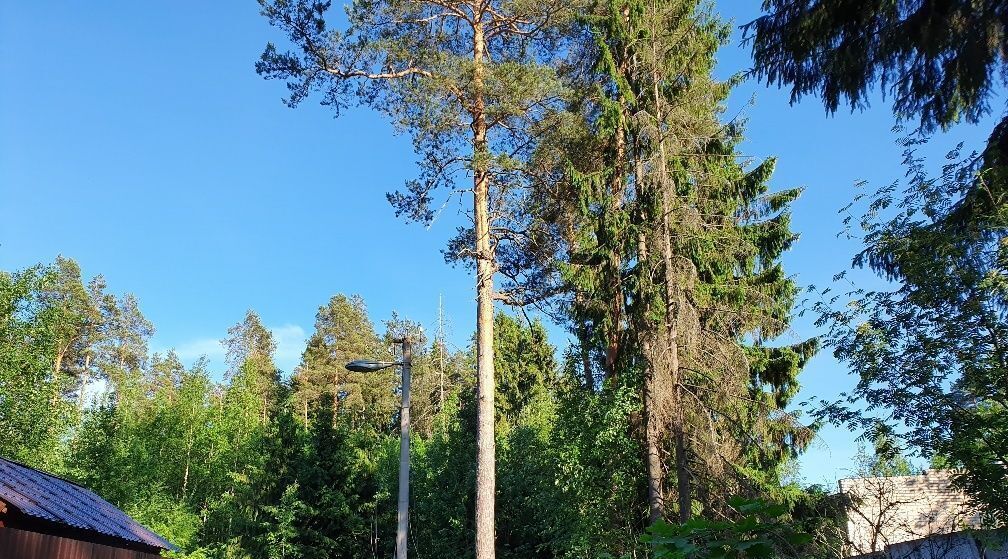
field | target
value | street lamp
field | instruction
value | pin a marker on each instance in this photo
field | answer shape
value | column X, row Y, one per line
column 366, row 366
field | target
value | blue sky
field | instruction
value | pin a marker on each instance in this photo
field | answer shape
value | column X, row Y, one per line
column 136, row 138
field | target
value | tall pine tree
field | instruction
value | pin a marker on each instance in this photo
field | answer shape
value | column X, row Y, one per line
column 470, row 80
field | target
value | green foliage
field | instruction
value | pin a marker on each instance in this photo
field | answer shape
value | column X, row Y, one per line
column 927, row 350
column 609, row 179
column 168, row 517
column 600, row 470
column 528, row 522
column 336, row 485
column 416, row 62
column 888, row 459
column 927, row 347
column 232, row 469
column 343, row 333
column 56, row 336
column 33, row 413
column 937, row 59
column 272, row 498
column 250, row 348
column 443, row 477
column 671, row 257
column 758, row 532
column 183, row 447
column 524, row 363
column 443, row 481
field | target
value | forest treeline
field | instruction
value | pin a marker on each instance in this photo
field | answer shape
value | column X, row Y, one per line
column 609, row 193
column 261, row 463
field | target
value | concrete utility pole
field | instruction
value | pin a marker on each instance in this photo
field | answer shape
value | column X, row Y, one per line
column 404, row 457
column 440, row 344
column 364, row 366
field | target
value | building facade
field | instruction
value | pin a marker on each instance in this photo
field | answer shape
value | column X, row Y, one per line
column 914, row 517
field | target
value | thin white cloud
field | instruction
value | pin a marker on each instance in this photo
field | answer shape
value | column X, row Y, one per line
column 290, row 344
column 192, row 350
column 290, row 341
column 189, row 352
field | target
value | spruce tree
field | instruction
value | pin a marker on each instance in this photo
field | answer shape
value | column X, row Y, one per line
column 721, row 294
column 334, row 488
column 273, row 499
column 675, row 254
column 525, row 363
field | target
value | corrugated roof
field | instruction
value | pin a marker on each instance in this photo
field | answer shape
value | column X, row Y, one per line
column 48, row 497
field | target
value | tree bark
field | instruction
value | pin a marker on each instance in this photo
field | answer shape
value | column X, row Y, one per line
column 683, row 484
column 485, row 443
column 582, row 334
column 656, row 498
column 189, row 447
column 616, row 186
column 58, row 364
column 652, row 430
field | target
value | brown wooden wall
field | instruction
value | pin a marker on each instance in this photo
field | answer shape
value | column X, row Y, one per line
column 19, row 544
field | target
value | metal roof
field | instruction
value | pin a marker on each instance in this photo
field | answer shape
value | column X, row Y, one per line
column 48, row 497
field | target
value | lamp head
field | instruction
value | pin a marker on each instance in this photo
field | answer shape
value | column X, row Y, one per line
column 365, row 366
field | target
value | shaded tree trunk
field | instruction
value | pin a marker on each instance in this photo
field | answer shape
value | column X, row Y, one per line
column 656, row 499
column 652, row 429
column 582, row 334
column 616, row 187
column 683, row 486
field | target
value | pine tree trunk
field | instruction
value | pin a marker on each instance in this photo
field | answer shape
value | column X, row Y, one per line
column 189, row 447
column 57, row 368
column 485, row 444
column 58, row 364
